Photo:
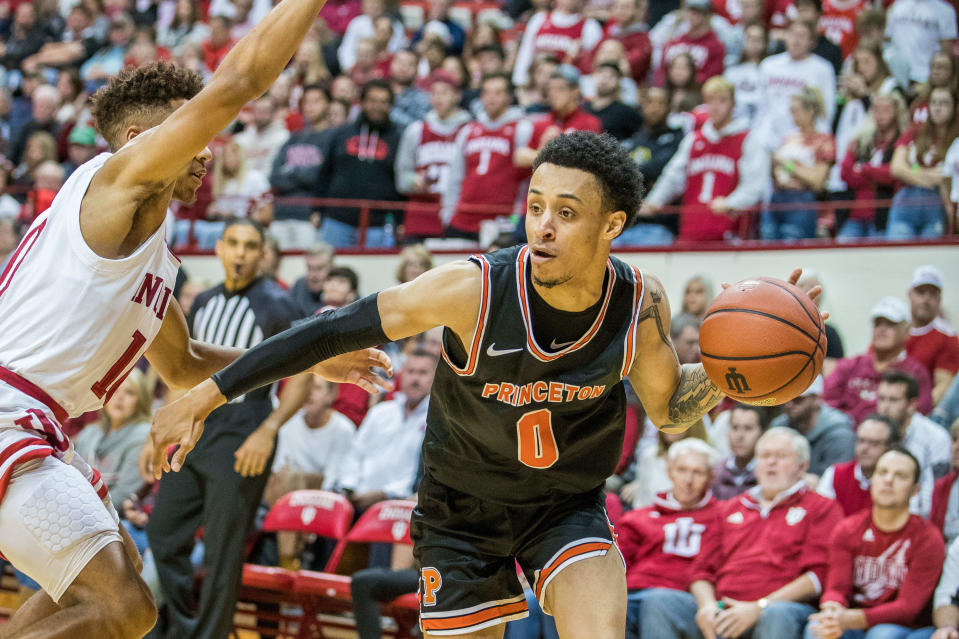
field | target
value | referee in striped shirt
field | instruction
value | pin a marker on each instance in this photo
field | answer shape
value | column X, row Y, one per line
column 222, row 482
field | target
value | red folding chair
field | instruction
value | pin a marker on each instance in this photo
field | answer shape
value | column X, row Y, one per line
column 325, row 594
column 267, row 594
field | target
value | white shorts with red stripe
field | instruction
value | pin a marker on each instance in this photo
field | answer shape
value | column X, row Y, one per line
column 55, row 512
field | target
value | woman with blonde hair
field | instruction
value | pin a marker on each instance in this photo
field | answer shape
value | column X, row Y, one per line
column 415, row 260
column 40, row 147
column 800, row 169
column 866, row 166
column 112, row 444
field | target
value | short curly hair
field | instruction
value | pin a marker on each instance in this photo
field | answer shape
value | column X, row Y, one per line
column 602, row 156
column 135, row 96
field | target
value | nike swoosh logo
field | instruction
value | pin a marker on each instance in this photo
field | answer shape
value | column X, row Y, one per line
column 557, row 347
column 492, row 352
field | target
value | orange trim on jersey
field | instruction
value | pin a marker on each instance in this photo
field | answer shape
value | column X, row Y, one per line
column 639, row 291
column 571, row 553
column 534, row 348
column 465, row 621
column 481, row 322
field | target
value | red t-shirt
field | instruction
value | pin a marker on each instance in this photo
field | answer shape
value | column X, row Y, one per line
column 935, row 345
column 577, row 120
column 660, row 542
column 707, row 52
column 838, row 22
column 772, row 548
column 853, row 384
column 889, row 575
column 712, row 171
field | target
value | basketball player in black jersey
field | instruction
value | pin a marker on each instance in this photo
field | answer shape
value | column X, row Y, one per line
column 526, row 419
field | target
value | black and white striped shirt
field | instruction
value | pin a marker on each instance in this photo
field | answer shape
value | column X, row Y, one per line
column 243, row 318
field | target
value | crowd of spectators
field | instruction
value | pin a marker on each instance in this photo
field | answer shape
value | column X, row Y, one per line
column 773, row 119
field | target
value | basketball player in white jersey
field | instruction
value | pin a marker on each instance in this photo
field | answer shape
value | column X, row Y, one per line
column 87, row 292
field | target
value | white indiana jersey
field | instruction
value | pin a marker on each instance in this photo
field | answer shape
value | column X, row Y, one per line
column 73, row 323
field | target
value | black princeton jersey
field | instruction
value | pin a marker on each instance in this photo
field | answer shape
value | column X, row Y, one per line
column 516, row 424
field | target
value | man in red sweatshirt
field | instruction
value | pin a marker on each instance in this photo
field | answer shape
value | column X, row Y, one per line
column 661, row 542
column 884, row 562
column 767, row 558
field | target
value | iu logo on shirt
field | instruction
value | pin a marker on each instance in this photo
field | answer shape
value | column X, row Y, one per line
column 683, row 537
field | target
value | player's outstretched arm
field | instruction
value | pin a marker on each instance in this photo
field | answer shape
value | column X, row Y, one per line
column 674, row 396
column 157, row 157
column 335, row 345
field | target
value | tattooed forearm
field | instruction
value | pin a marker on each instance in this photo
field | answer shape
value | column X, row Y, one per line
column 694, row 397
column 652, row 311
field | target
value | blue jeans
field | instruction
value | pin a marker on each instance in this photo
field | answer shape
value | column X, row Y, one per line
column 854, row 229
column 644, row 235
column 915, row 212
column 138, row 535
column 342, row 235
column 793, row 223
column 671, row 614
column 537, row 625
column 204, row 232
column 882, row 631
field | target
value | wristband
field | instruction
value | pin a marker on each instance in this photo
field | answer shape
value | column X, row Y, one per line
column 790, row 167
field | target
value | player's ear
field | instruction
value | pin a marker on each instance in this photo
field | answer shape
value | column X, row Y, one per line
column 615, row 223
column 131, row 133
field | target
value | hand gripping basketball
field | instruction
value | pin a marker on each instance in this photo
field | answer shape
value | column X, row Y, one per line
column 763, row 340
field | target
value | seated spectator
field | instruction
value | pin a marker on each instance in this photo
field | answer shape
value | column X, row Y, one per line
column 294, row 171
column 684, row 90
column 828, row 431
column 834, row 349
column 484, row 182
column 612, row 52
column 439, row 11
column 415, row 260
column 945, row 495
column 41, row 147
column 787, row 74
column 219, row 43
column 919, row 29
column 652, row 477
column 362, row 27
column 359, row 162
column 307, row 291
column 565, row 115
column 628, row 25
column 883, row 562
column 185, row 29
column 44, row 104
column 410, row 103
column 270, row 262
column 617, row 119
column 651, row 149
column 263, row 136
column 23, row 37
column 82, row 148
column 112, row 444
column 660, row 542
column 697, row 295
column 425, row 155
column 942, row 74
column 562, row 32
column 744, row 76
column 340, row 287
column 896, row 399
column 867, row 165
column 699, row 40
column 852, row 386
column 737, row 473
column 800, row 169
column 532, row 95
column 849, row 483
column 718, row 170
column 932, row 340
column 945, row 614
column 810, row 11
column 108, row 61
column 47, row 180
column 917, row 209
column 777, row 533
column 383, row 459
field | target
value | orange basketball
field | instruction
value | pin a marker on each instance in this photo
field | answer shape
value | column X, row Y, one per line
column 762, row 341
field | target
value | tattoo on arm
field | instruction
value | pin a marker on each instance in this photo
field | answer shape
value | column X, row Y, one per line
column 652, row 311
column 694, row 396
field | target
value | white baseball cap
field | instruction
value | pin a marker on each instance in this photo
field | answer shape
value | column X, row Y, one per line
column 927, row 275
column 891, row 308
column 816, row 388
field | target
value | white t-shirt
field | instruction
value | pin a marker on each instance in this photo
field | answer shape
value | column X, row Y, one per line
column 314, row 450
column 746, row 79
column 239, row 193
column 780, row 78
column 916, row 27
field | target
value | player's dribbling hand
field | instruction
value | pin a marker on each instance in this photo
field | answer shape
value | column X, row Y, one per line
column 793, row 279
column 180, row 423
column 358, row 368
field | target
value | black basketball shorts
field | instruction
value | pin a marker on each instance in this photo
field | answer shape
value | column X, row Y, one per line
column 467, row 551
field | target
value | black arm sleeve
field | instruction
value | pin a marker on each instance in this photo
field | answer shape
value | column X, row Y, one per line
column 306, row 343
